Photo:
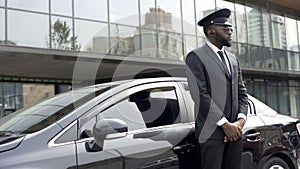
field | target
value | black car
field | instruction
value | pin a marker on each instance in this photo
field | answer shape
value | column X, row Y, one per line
column 142, row 123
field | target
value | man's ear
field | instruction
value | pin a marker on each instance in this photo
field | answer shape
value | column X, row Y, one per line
column 211, row 32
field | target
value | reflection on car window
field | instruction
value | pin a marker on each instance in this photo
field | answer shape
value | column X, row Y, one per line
column 69, row 135
column 147, row 108
column 47, row 112
column 158, row 106
column 126, row 111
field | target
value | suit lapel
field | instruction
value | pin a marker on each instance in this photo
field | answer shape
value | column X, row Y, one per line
column 232, row 62
column 216, row 59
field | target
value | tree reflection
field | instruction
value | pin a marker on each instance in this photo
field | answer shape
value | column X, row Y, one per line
column 61, row 37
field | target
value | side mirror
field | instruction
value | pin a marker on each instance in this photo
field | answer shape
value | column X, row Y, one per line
column 105, row 127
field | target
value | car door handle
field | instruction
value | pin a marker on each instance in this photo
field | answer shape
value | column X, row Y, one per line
column 253, row 137
column 183, row 148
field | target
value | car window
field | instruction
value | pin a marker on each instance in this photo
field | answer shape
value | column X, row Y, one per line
column 147, row 108
column 143, row 109
column 126, row 111
column 47, row 112
column 69, row 135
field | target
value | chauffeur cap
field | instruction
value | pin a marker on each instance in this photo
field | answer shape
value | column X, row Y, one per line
column 219, row 17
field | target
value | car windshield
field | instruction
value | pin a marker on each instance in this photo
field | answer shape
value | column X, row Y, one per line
column 47, row 112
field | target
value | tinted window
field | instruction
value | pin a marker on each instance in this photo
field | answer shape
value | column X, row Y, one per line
column 47, row 112
column 69, row 135
column 147, row 108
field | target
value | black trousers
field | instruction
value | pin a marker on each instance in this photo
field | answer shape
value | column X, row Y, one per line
column 215, row 154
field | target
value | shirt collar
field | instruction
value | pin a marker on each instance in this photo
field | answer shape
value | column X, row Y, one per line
column 214, row 48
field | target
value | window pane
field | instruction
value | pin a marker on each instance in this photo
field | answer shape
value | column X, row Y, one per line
column 272, row 95
column 259, row 89
column 92, row 36
column 189, row 44
column 250, row 86
column 1, row 101
column 257, row 57
column 149, row 43
column 201, row 40
column 233, row 49
column 298, row 25
column 61, row 7
column 283, row 95
column 269, row 60
column 169, row 15
column 33, row 5
column 241, row 23
column 170, row 45
column 229, row 5
column 278, row 31
column 62, row 33
column 188, row 13
column 2, row 26
column 203, row 8
column 291, row 34
column 9, row 94
column 254, row 24
column 128, row 15
column 19, row 95
column 22, row 25
column 297, row 97
column 148, row 15
column 294, row 63
column 91, row 9
column 2, row 3
column 267, row 38
column 122, row 39
column 12, row 95
column 280, row 59
column 33, row 93
column 243, row 55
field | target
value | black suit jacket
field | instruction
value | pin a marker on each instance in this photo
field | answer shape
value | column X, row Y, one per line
column 216, row 94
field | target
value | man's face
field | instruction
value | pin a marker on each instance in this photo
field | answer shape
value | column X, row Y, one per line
column 223, row 35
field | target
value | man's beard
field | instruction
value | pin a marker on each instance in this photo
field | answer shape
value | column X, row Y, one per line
column 223, row 41
column 227, row 43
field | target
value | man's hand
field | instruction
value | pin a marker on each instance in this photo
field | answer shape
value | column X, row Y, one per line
column 241, row 122
column 232, row 131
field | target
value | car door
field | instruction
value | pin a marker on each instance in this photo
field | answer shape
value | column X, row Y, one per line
column 253, row 138
column 155, row 123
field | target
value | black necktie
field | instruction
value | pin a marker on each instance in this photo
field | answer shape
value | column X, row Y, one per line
column 224, row 62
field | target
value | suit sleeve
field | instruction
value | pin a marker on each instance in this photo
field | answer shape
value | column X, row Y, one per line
column 242, row 94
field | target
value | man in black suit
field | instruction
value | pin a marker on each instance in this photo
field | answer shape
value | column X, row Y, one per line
column 217, row 88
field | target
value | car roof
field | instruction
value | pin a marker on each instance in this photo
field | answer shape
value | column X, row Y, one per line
column 133, row 82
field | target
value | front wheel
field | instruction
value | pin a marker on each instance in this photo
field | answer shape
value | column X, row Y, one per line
column 275, row 163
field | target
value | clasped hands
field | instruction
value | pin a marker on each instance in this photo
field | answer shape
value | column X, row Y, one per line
column 233, row 131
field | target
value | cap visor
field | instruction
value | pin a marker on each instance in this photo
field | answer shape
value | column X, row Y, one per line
column 224, row 24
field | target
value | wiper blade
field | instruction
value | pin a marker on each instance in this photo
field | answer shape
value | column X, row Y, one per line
column 6, row 133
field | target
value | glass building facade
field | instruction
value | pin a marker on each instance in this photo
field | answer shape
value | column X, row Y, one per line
column 264, row 42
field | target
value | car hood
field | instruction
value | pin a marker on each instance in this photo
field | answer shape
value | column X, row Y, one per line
column 271, row 119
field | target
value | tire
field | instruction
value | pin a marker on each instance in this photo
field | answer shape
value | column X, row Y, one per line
column 275, row 163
